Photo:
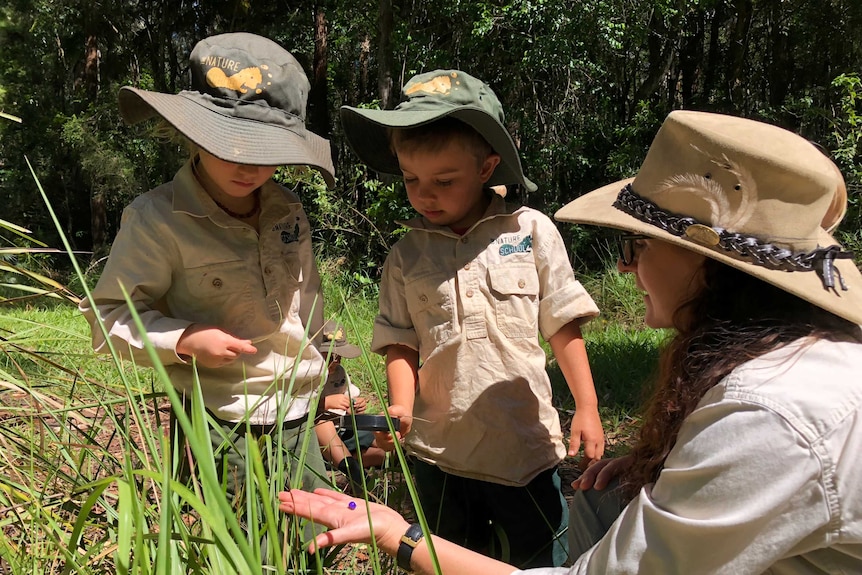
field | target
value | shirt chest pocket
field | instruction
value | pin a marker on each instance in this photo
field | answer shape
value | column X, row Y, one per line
column 291, row 264
column 515, row 289
column 430, row 306
column 216, row 291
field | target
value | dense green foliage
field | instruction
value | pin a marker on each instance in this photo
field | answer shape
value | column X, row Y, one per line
column 585, row 85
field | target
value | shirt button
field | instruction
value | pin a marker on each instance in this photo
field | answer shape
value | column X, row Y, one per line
column 423, row 298
column 217, row 283
column 267, row 270
column 469, row 293
column 464, row 240
column 521, row 283
column 467, row 267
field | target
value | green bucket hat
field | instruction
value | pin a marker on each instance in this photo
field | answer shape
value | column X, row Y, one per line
column 429, row 97
column 246, row 105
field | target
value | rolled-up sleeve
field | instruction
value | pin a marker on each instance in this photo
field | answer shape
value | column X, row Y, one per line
column 563, row 299
column 139, row 264
column 393, row 325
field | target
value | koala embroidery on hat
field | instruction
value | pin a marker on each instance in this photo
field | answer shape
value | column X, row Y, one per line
column 437, row 85
column 426, row 98
column 243, row 81
column 245, row 104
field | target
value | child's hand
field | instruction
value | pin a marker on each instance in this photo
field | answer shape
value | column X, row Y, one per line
column 212, row 346
column 384, row 438
column 587, row 429
column 358, row 404
column 342, row 402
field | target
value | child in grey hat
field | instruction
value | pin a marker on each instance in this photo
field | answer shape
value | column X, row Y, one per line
column 218, row 263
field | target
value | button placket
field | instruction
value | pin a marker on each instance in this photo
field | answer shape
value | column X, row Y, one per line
column 472, row 302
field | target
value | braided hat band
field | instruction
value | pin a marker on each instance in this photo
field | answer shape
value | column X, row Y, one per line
column 820, row 260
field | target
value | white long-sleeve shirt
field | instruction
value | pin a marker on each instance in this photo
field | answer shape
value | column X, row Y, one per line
column 766, row 477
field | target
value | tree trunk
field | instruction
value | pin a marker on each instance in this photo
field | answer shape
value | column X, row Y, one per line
column 662, row 50
column 98, row 222
column 318, row 109
column 385, row 24
column 691, row 57
column 778, row 64
column 713, row 53
column 91, row 67
column 737, row 50
column 364, row 57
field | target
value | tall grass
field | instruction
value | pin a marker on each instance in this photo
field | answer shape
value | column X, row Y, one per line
column 88, row 481
column 89, row 474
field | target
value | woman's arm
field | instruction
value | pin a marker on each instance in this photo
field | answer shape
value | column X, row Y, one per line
column 351, row 520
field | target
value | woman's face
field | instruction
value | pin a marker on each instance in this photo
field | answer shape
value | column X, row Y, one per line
column 670, row 276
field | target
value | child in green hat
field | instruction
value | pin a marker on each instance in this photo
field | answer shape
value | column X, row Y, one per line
column 464, row 296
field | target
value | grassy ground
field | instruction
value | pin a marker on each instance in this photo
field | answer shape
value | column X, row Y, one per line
column 86, row 469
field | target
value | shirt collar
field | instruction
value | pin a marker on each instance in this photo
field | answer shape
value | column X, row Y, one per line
column 191, row 198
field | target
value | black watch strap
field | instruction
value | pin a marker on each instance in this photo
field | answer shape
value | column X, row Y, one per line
column 408, row 543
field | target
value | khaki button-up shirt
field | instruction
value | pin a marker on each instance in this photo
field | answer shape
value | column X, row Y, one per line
column 182, row 260
column 473, row 307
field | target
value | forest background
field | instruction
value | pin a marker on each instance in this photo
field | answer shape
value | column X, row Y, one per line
column 85, row 468
column 585, row 86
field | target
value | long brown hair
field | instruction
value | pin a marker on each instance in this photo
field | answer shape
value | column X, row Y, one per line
column 733, row 319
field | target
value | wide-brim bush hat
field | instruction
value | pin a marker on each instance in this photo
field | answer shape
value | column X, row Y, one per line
column 335, row 342
column 246, row 105
column 751, row 195
column 428, row 97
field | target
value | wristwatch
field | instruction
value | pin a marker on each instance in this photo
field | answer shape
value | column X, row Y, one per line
column 408, row 543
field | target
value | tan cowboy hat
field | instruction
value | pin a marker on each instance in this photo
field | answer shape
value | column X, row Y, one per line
column 246, row 105
column 753, row 196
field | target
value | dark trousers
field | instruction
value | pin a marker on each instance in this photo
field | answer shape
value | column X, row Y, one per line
column 525, row 526
column 230, row 441
column 592, row 514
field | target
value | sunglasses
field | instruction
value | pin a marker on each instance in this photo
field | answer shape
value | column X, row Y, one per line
column 626, row 246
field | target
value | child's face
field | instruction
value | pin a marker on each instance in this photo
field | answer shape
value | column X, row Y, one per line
column 235, row 180
column 446, row 185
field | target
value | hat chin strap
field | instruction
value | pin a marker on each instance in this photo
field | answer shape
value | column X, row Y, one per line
column 748, row 248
